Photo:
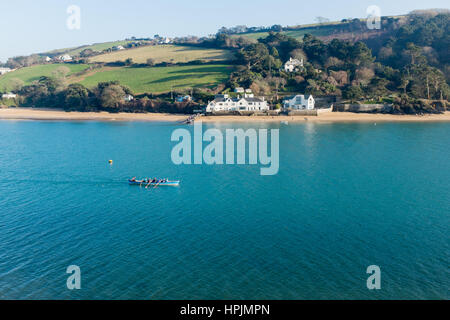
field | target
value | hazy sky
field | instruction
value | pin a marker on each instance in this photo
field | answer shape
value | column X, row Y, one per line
column 28, row 26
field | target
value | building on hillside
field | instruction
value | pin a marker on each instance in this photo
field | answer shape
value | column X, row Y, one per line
column 48, row 59
column 247, row 103
column 128, row 98
column 299, row 102
column 239, row 90
column 5, row 70
column 164, row 40
column 9, row 95
column 185, row 98
column 65, row 57
column 293, row 65
column 117, row 48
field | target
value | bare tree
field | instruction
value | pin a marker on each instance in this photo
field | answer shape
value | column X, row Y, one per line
column 16, row 84
column 322, row 20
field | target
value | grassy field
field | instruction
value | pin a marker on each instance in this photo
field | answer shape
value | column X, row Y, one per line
column 164, row 53
column 313, row 29
column 160, row 79
column 298, row 34
column 95, row 47
column 30, row 74
column 140, row 80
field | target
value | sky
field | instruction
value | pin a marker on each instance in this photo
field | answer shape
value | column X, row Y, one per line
column 28, row 26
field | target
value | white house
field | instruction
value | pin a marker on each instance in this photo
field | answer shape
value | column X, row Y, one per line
column 5, row 70
column 128, row 98
column 246, row 103
column 293, row 65
column 48, row 59
column 117, row 48
column 65, row 57
column 9, row 95
column 300, row 102
column 239, row 90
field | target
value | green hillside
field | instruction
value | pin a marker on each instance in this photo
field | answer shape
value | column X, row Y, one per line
column 30, row 74
column 95, row 47
column 164, row 53
column 160, row 79
column 318, row 30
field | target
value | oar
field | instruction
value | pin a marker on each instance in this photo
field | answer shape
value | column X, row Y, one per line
column 157, row 184
column 150, row 181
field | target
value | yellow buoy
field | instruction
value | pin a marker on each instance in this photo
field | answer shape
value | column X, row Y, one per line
column 110, row 161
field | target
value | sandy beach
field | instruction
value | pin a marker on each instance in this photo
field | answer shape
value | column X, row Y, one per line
column 60, row 115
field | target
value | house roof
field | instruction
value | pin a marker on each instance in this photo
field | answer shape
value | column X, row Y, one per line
column 303, row 96
column 253, row 99
column 293, row 62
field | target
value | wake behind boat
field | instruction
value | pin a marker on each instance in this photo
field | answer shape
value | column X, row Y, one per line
column 153, row 182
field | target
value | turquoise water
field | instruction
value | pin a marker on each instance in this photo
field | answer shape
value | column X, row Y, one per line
column 346, row 196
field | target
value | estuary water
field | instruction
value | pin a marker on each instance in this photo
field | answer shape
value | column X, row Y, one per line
column 347, row 196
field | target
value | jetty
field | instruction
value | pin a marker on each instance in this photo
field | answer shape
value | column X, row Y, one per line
column 191, row 118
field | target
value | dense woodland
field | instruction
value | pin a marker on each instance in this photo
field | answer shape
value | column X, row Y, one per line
column 407, row 63
column 412, row 63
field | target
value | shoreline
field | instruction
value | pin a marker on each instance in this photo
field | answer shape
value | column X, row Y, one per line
column 60, row 115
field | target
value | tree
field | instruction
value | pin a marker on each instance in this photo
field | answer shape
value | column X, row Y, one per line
column 377, row 88
column 404, row 82
column 276, row 28
column 76, row 97
column 274, row 52
column 277, row 83
column 334, row 62
column 298, row 54
column 112, row 96
column 86, row 53
column 51, row 84
column 315, row 49
column 360, row 54
column 254, row 56
column 363, row 76
column 353, row 93
column 61, row 72
column 16, row 84
column 341, row 77
column 322, row 20
column 260, row 87
column 427, row 82
column 413, row 52
column 320, row 87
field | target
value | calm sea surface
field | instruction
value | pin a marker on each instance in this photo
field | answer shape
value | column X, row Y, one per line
column 346, row 196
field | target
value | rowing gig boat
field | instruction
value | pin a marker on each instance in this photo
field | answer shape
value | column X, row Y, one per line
column 143, row 183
